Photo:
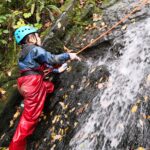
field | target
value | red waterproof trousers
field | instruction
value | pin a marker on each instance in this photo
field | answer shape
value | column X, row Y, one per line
column 34, row 91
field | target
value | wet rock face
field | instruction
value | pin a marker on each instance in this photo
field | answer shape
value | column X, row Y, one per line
column 71, row 102
column 93, row 99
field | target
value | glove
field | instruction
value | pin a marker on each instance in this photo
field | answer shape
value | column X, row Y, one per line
column 73, row 56
column 62, row 68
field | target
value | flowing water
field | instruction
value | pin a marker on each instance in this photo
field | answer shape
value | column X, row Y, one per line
column 105, row 126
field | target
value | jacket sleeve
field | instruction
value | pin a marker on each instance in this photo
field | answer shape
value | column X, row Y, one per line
column 42, row 56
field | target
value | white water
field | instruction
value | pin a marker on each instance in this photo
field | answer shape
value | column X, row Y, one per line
column 104, row 128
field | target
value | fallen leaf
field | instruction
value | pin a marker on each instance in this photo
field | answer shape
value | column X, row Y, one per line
column 148, row 79
column 97, row 17
column 65, row 96
column 16, row 114
column 61, row 131
column 53, row 147
column 67, row 49
column 56, row 119
column 145, row 98
column 141, row 148
column 66, row 116
column 79, row 104
column 100, row 85
column 138, row 101
column 64, row 107
column 144, row 116
column 11, row 123
column 141, row 122
column 59, row 25
column 80, row 110
column 120, row 125
column 69, row 68
column 2, row 91
column 56, row 137
column 73, row 109
column 103, row 24
column 134, row 108
column 61, row 122
column 75, row 124
column 124, row 27
column 44, row 117
column 14, row 85
column 3, row 136
column 148, row 117
column 72, row 86
column 87, row 84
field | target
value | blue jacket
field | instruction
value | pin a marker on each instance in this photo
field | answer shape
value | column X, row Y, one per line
column 32, row 57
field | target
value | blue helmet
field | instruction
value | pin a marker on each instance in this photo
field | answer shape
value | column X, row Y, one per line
column 21, row 32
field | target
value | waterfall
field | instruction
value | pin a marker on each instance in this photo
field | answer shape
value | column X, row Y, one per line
column 104, row 127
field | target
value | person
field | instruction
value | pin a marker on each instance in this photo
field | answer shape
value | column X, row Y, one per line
column 32, row 62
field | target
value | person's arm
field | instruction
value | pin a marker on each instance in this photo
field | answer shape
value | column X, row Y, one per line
column 43, row 56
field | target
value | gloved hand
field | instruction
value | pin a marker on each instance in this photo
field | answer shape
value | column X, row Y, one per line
column 73, row 56
column 62, row 68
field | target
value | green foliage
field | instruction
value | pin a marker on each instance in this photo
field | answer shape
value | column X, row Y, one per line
column 14, row 14
column 82, row 14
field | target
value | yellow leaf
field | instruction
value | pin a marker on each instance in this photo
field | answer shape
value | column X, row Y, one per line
column 148, row 117
column 57, row 137
column 16, row 115
column 11, row 123
column 66, row 130
column 9, row 73
column 67, row 49
column 75, row 124
column 52, row 129
column 144, row 116
column 141, row 148
column 65, row 96
column 61, row 131
column 134, row 109
column 56, row 119
column 2, row 91
column 73, row 109
column 69, row 68
column 63, row 105
column 51, row 113
column 139, row 101
column 96, row 17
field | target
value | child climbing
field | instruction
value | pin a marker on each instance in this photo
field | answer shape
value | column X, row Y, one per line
column 33, row 60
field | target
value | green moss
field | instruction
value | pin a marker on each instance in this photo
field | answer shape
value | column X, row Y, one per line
column 65, row 6
column 2, row 105
column 106, row 1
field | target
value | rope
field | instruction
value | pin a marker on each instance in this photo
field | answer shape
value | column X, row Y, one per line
column 137, row 8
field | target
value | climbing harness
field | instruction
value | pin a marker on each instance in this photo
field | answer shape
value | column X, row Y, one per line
column 137, row 8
